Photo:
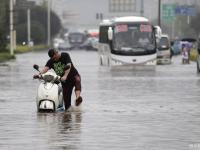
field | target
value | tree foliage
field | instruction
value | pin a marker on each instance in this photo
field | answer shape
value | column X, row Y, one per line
column 37, row 33
column 38, row 24
column 4, row 21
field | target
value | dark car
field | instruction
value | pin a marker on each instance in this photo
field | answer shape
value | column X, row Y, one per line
column 76, row 39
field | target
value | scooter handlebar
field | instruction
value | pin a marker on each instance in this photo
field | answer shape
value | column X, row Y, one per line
column 37, row 77
column 56, row 80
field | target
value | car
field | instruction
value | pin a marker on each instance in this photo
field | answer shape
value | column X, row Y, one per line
column 176, row 47
column 76, row 39
column 65, row 45
column 90, row 44
column 164, row 50
column 56, row 42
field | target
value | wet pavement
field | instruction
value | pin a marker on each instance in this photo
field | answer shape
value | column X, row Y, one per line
column 124, row 108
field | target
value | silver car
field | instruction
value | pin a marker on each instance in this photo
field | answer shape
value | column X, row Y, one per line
column 163, row 50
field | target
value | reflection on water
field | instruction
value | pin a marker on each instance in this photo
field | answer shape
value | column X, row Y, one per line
column 135, row 71
column 61, row 130
column 124, row 108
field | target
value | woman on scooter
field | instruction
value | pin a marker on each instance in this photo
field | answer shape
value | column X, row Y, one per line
column 70, row 77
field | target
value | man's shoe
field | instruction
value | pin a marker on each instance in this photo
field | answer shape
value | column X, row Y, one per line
column 79, row 101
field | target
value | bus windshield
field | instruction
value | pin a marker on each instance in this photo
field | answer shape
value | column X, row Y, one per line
column 133, row 38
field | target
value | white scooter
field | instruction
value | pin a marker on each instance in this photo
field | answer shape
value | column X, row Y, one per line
column 49, row 94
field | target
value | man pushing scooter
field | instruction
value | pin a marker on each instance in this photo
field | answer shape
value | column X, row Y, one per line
column 70, row 78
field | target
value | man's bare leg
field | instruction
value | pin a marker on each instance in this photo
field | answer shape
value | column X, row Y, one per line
column 78, row 97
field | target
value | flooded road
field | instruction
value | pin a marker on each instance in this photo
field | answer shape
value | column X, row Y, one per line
column 131, row 108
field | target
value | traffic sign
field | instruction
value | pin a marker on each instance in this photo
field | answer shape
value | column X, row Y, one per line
column 168, row 12
column 185, row 10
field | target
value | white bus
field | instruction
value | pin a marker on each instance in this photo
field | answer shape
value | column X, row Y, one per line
column 127, row 41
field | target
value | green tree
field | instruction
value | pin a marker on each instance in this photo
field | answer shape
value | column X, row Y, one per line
column 37, row 33
column 4, row 23
column 38, row 24
column 40, row 14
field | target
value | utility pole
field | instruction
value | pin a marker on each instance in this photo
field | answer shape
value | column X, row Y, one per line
column 48, row 22
column 28, row 27
column 188, row 17
column 142, row 8
column 159, row 13
column 11, row 29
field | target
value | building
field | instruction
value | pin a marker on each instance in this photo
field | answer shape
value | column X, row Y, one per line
column 89, row 13
column 84, row 14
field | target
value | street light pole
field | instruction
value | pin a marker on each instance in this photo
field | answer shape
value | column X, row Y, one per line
column 188, row 17
column 159, row 13
column 28, row 27
column 48, row 22
column 142, row 8
column 11, row 29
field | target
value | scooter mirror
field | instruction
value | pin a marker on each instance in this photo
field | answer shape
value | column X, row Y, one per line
column 36, row 67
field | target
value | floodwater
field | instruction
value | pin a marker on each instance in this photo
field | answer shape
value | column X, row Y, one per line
column 123, row 109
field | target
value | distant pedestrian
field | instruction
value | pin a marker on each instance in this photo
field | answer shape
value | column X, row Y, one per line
column 185, row 55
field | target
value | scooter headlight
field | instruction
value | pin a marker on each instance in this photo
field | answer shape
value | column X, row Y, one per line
column 48, row 105
column 48, row 78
